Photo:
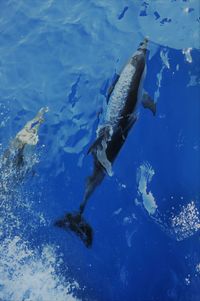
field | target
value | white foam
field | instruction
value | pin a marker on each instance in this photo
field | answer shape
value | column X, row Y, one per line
column 28, row 275
column 187, row 280
column 187, row 53
column 198, row 268
column 165, row 58
column 187, row 222
column 144, row 175
column 165, row 64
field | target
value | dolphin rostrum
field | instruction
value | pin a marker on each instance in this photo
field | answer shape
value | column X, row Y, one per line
column 123, row 98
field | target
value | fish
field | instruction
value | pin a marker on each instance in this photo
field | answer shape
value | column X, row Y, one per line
column 123, row 99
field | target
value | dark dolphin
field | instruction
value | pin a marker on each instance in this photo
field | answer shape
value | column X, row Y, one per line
column 123, row 98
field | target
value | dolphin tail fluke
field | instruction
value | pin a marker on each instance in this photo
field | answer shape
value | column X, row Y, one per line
column 148, row 103
column 77, row 224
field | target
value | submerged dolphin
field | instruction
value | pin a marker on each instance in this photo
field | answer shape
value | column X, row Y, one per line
column 14, row 165
column 123, row 98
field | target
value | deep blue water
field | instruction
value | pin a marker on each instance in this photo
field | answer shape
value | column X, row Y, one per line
column 146, row 217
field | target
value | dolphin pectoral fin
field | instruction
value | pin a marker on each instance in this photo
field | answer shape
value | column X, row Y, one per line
column 148, row 102
column 94, row 145
column 102, row 132
column 112, row 86
column 99, row 154
column 103, row 160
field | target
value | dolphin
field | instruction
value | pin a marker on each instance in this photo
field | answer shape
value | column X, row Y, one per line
column 123, row 98
column 14, row 165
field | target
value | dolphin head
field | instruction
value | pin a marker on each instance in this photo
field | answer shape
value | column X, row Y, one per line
column 143, row 45
column 138, row 57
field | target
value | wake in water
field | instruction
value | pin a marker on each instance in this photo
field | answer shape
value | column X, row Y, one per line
column 18, row 159
column 26, row 274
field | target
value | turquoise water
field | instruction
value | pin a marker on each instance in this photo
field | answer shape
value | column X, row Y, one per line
column 64, row 55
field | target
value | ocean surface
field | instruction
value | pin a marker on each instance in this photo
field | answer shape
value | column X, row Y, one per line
column 64, row 55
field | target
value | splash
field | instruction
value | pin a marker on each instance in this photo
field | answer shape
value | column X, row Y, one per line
column 144, row 175
column 27, row 275
column 18, row 159
column 187, row 222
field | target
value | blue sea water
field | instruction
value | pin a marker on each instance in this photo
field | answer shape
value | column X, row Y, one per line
column 146, row 218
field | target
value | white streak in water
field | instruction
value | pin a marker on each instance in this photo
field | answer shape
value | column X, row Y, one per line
column 129, row 237
column 187, row 53
column 165, row 59
column 144, row 175
column 116, row 212
column 165, row 64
